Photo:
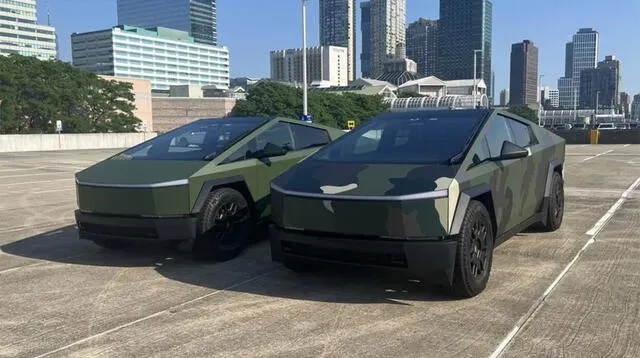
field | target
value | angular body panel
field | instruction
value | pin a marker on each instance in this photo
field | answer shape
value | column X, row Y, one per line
column 395, row 191
column 157, row 188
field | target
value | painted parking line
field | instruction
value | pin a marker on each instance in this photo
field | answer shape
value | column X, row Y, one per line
column 540, row 301
column 615, row 207
column 597, row 155
column 159, row 313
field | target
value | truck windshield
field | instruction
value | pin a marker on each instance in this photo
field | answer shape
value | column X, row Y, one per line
column 201, row 140
column 414, row 137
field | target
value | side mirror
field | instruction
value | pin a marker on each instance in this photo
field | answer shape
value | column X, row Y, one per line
column 512, row 151
column 270, row 150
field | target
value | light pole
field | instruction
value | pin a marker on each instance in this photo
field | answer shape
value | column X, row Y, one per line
column 304, row 59
column 475, row 84
column 541, row 99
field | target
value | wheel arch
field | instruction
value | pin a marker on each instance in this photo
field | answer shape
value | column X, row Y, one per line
column 481, row 193
column 555, row 166
column 236, row 182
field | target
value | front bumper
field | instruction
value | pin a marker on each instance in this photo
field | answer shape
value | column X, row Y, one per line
column 125, row 228
column 428, row 260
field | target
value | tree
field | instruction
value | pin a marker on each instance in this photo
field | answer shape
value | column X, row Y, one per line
column 525, row 112
column 35, row 94
column 332, row 109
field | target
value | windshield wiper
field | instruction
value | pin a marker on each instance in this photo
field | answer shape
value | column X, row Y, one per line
column 210, row 156
column 456, row 159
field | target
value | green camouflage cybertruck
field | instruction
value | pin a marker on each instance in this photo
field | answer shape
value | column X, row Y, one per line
column 206, row 183
column 430, row 193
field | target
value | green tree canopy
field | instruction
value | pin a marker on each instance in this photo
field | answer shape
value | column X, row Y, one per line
column 35, row 94
column 332, row 109
column 525, row 112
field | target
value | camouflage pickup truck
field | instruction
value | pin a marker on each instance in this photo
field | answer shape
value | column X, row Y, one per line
column 205, row 183
column 430, row 193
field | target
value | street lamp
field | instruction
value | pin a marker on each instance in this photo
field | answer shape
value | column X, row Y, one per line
column 541, row 99
column 475, row 84
column 304, row 59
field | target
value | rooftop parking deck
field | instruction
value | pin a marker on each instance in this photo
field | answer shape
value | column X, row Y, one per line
column 572, row 292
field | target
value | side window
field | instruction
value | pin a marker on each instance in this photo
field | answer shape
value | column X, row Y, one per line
column 280, row 135
column 520, row 133
column 241, row 154
column 309, row 137
column 497, row 133
column 483, row 152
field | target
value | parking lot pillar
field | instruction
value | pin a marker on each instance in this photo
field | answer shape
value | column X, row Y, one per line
column 594, row 135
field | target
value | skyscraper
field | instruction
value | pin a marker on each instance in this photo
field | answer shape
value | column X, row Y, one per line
column 581, row 53
column 161, row 55
column 601, row 85
column 523, row 86
column 422, row 44
column 198, row 17
column 338, row 28
column 365, row 27
column 387, row 28
column 465, row 26
column 504, row 97
column 21, row 33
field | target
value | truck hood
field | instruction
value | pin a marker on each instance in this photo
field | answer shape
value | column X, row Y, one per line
column 357, row 179
column 138, row 173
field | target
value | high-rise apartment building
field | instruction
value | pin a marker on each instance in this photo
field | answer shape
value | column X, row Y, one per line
column 582, row 54
column 384, row 23
column 20, row 32
column 164, row 56
column 635, row 107
column 568, row 60
column 198, row 17
column 549, row 97
column 365, row 27
column 504, row 97
column 601, row 85
column 324, row 63
column 338, row 28
column 625, row 104
column 465, row 26
column 523, row 87
column 422, row 44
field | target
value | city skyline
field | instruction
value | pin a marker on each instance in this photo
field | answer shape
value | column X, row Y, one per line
column 251, row 58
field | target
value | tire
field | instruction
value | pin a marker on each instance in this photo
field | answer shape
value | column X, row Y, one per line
column 225, row 225
column 112, row 244
column 300, row 266
column 474, row 254
column 555, row 211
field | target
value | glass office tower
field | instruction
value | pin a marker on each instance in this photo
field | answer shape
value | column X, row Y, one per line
column 198, row 17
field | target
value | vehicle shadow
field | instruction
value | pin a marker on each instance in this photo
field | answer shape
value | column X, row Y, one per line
column 253, row 272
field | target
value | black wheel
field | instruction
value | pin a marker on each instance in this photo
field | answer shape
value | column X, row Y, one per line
column 474, row 254
column 225, row 225
column 112, row 244
column 300, row 266
column 555, row 212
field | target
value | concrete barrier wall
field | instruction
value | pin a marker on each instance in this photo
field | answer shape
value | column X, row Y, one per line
column 48, row 142
column 619, row 136
column 610, row 136
column 574, row 136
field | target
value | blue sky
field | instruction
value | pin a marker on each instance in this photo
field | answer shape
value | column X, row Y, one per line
column 251, row 28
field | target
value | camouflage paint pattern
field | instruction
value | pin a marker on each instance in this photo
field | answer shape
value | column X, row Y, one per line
column 395, row 219
column 180, row 200
column 517, row 188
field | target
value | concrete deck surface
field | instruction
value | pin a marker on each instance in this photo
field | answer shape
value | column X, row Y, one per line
column 565, row 293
